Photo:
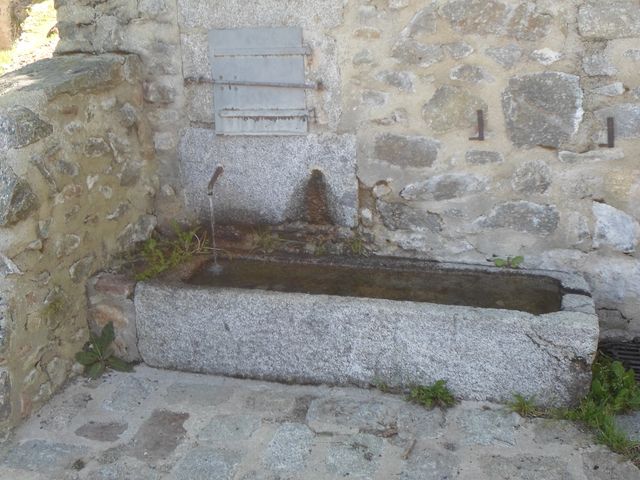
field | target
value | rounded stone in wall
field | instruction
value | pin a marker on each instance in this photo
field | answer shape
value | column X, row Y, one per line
column 542, row 109
column 522, row 216
column 532, row 177
column 506, row 56
column 17, row 199
column 5, row 395
column 445, row 187
column 406, row 151
column 615, row 228
column 20, row 127
column 452, row 107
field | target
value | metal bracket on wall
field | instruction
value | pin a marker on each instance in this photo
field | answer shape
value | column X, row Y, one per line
column 240, row 83
column 480, row 136
column 261, row 51
column 611, row 134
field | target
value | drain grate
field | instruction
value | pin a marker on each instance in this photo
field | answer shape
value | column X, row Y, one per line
column 626, row 352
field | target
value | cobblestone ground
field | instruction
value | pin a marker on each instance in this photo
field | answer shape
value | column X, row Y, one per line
column 156, row 424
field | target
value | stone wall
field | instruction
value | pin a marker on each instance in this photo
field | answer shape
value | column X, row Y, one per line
column 149, row 29
column 76, row 189
column 546, row 74
column 401, row 83
column 6, row 37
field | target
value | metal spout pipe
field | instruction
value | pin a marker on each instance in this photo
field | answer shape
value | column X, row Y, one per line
column 214, row 178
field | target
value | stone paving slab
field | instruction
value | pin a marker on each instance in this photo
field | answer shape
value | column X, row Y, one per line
column 155, row 425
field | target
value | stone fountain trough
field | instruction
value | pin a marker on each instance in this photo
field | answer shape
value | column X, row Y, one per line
column 489, row 332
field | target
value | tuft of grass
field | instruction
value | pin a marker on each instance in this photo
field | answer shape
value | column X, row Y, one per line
column 320, row 248
column 613, row 391
column 160, row 254
column 266, row 241
column 357, row 246
column 435, row 395
column 54, row 307
column 525, row 406
column 380, row 385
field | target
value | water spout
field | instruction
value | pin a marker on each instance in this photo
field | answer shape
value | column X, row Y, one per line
column 214, row 178
column 215, row 269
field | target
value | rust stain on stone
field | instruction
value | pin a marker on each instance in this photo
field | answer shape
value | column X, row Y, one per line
column 316, row 200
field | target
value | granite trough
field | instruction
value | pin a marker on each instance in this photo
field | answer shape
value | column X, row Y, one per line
column 489, row 332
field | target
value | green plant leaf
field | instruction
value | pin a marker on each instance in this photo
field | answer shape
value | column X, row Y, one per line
column 613, row 391
column 87, row 358
column 517, row 261
column 95, row 370
column 162, row 254
column 106, row 337
column 119, row 365
column 597, row 389
column 500, row 262
column 94, row 344
column 618, row 370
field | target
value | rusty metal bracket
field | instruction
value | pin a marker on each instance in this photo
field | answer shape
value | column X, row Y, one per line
column 261, row 51
column 611, row 134
column 242, row 83
column 480, row 136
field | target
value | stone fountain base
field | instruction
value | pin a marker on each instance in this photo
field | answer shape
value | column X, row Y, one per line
column 483, row 353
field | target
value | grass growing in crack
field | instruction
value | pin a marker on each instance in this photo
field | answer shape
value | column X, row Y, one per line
column 357, row 246
column 54, row 307
column 613, row 391
column 320, row 248
column 266, row 241
column 380, row 385
column 161, row 254
column 435, row 395
column 524, row 406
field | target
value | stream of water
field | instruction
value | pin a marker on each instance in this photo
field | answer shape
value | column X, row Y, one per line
column 216, row 268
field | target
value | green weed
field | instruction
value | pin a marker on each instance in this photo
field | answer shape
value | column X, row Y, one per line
column 613, row 391
column 509, row 262
column 266, row 241
column 55, row 306
column 161, row 254
column 524, row 406
column 320, row 248
column 435, row 395
column 380, row 385
column 98, row 356
column 357, row 246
